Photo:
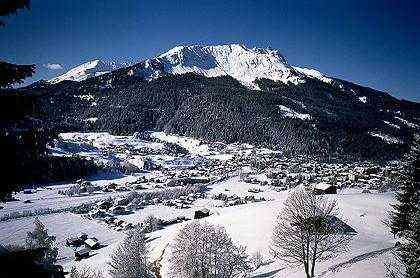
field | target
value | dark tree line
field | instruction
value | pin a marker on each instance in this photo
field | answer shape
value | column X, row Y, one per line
column 23, row 137
column 13, row 74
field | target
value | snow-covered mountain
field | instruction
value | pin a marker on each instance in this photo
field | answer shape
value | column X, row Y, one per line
column 242, row 63
column 88, row 69
column 236, row 60
column 299, row 110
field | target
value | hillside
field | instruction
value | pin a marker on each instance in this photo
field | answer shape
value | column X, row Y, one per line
column 234, row 94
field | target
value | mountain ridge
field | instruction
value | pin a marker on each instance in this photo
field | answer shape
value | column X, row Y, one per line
column 237, row 60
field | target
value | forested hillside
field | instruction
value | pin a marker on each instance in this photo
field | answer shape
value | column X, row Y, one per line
column 312, row 118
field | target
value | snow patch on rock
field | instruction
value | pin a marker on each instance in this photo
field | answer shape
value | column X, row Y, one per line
column 363, row 99
column 386, row 137
column 407, row 123
column 312, row 73
column 288, row 112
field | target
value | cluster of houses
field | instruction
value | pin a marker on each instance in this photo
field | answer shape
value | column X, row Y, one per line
column 82, row 245
column 234, row 200
column 324, row 178
column 183, row 202
column 80, row 188
column 117, row 224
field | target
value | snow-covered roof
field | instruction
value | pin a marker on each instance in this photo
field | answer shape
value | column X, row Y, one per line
column 91, row 242
column 323, row 186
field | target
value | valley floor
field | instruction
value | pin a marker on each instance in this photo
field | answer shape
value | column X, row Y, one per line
column 249, row 224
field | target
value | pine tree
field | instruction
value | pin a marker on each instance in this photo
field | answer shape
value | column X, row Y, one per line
column 13, row 74
column 39, row 238
column 10, row 73
column 408, row 197
column 403, row 209
column 413, row 245
column 8, row 7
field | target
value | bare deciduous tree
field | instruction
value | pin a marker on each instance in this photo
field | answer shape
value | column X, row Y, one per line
column 308, row 231
column 129, row 259
column 202, row 250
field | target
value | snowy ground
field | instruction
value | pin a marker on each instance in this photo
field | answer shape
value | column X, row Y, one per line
column 249, row 224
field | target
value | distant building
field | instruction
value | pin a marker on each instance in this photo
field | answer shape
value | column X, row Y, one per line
column 201, row 213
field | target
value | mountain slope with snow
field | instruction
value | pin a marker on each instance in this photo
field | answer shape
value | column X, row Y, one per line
column 87, row 70
column 199, row 91
column 235, row 60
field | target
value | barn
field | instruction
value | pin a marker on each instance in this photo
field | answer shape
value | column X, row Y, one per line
column 324, row 188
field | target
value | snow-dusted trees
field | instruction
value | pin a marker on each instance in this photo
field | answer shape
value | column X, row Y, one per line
column 151, row 224
column 202, row 250
column 407, row 200
column 39, row 238
column 308, row 231
column 84, row 272
column 129, row 259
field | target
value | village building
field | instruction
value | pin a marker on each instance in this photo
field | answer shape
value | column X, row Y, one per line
column 92, row 243
column 324, row 188
column 198, row 214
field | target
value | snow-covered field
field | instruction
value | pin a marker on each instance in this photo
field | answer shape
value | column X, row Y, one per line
column 248, row 224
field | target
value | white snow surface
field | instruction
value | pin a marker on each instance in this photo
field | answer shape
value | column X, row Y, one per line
column 392, row 125
column 250, row 224
column 407, row 123
column 312, row 73
column 194, row 146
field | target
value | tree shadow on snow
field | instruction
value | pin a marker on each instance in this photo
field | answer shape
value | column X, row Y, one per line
column 150, row 239
column 267, row 274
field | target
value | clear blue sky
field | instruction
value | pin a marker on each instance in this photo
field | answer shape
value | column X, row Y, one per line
column 374, row 43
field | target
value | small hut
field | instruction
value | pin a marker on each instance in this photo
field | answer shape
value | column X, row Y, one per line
column 201, row 213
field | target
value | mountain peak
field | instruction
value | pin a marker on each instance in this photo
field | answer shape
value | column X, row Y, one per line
column 237, row 60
